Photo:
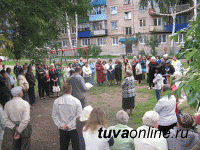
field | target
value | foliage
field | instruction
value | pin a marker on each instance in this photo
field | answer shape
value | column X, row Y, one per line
column 171, row 52
column 93, row 50
column 153, row 43
column 191, row 82
column 142, row 52
column 31, row 24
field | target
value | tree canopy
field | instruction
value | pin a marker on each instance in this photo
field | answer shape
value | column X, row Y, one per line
column 29, row 24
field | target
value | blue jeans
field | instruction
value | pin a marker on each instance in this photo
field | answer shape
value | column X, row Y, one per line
column 92, row 77
column 158, row 94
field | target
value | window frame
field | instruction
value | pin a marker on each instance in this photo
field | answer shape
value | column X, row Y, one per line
column 144, row 37
column 116, row 24
column 83, row 43
column 127, row 13
column 111, row 9
column 161, row 38
column 72, row 30
column 103, row 42
column 74, row 42
column 129, row 30
column 139, row 8
column 115, row 41
column 126, row 2
column 65, row 43
column 143, row 20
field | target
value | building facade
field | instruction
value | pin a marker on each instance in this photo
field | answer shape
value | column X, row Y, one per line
column 114, row 22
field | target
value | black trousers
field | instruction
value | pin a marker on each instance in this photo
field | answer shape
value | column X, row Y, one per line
column 41, row 88
column 22, row 144
column 66, row 136
column 47, row 88
column 165, row 129
column 31, row 95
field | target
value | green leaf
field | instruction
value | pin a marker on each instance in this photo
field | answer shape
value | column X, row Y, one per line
column 190, row 54
column 193, row 99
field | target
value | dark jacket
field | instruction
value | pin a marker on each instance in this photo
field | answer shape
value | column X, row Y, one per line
column 53, row 75
column 16, row 70
column 30, row 78
column 143, row 63
column 39, row 75
column 162, row 68
column 169, row 70
column 152, row 71
column 5, row 94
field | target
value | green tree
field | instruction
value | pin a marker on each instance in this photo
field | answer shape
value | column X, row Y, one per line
column 153, row 43
column 31, row 24
column 191, row 82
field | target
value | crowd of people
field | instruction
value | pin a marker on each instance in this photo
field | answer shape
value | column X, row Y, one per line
column 82, row 124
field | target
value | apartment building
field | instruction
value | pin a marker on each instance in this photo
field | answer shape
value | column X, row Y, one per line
column 113, row 22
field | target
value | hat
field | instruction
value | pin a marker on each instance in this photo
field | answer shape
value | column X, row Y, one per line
column 153, row 57
column 16, row 90
column 197, row 119
column 86, row 113
column 52, row 64
column 168, row 62
column 165, row 55
column 185, row 120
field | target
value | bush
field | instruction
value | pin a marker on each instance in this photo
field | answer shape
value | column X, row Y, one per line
column 93, row 50
column 142, row 52
column 96, row 50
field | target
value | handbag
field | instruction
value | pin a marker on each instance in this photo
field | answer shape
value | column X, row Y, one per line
column 56, row 88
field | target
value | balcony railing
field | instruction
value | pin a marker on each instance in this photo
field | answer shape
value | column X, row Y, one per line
column 168, row 28
column 156, row 28
column 82, row 34
column 99, row 32
column 98, row 17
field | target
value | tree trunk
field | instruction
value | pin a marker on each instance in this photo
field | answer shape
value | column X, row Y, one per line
column 69, row 33
column 195, row 10
column 174, row 25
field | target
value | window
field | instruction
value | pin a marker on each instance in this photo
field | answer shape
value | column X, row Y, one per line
column 141, row 8
column 85, row 42
column 127, row 15
column 162, row 38
column 128, row 30
column 113, row 25
column 64, row 43
column 143, row 39
column 113, row 10
column 74, row 43
column 127, row 2
column 158, row 22
column 101, row 41
column 64, row 31
column 181, row 38
column 142, row 23
column 114, row 40
column 83, row 27
column 73, row 30
column 98, row 10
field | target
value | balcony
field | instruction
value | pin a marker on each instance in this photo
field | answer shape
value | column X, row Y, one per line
column 98, row 17
column 83, row 34
column 181, row 7
column 156, row 28
column 98, row 2
column 99, row 32
column 168, row 28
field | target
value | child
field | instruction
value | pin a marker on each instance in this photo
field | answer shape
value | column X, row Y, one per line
column 158, row 81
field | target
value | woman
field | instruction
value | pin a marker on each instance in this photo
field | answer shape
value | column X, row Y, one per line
column 96, row 121
column 118, row 72
column 105, row 70
column 122, row 143
column 182, row 137
column 99, row 69
column 92, row 67
column 87, row 72
column 21, row 80
column 134, row 65
column 147, row 67
column 40, row 76
column 138, row 69
column 68, row 70
column 32, row 82
column 110, row 73
column 126, row 66
column 53, row 73
column 152, row 66
column 80, row 123
column 47, row 80
column 143, row 64
column 128, row 92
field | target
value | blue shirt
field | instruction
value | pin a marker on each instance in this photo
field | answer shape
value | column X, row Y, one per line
column 158, row 61
column 12, row 81
column 92, row 66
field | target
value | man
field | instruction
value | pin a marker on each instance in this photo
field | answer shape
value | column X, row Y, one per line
column 16, row 69
column 148, row 137
column 3, row 67
column 78, row 86
column 166, row 108
column 81, row 64
column 17, row 118
column 176, row 64
column 165, row 57
column 12, row 79
column 75, row 64
column 65, row 111
column 40, row 77
column 7, row 79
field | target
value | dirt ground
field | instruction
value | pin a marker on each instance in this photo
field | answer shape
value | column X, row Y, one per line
column 45, row 134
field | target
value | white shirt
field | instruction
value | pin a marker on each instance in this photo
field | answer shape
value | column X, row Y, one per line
column 15, row 110
column 65, row 111
column 147, row 66
column 166, row 109
column 86, row 71
column 68, row 72
column 93, row 142
column 138, row 69
column 177, row 65
column 148, row 142
column 158, row 81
